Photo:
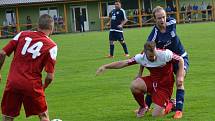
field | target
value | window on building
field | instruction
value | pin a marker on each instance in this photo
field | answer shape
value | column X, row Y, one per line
column 107, row 7
column 10, row 17
column 52, row 11
column 44, row 11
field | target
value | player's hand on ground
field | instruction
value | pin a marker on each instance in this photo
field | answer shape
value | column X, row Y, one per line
column 100, row 70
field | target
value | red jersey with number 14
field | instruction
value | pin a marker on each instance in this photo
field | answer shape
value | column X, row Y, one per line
column 33, row 51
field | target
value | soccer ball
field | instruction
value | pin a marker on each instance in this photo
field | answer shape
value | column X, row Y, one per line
column 56, row 120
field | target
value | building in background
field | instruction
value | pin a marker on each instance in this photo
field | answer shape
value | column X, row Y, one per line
column 94, row 12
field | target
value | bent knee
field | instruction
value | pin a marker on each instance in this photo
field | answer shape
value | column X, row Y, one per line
column 138, row 86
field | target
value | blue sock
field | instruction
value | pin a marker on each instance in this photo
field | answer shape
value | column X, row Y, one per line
column 179, row 99
column 111, row 50
column 125, row 48
column 148, row 100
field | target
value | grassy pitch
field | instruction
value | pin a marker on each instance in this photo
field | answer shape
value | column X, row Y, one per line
column 77, row 94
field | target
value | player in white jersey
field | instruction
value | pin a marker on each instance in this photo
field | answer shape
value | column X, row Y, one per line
column 160, row 81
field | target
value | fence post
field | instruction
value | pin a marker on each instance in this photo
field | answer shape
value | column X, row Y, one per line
column 65, row 17
column 17, row 19
column 213, row 10
column 177, row 11
column 101, row 17
column 139, row 13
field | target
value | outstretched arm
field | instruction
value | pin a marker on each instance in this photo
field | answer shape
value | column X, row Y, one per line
column 114, row 65
column 2, row 59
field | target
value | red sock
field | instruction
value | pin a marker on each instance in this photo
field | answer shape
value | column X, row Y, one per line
column 139, row 98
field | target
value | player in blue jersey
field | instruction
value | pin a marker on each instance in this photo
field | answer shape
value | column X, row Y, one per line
column 117, row 20
column 165, row 37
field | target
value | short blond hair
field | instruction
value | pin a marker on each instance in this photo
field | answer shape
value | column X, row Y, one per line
column 156, row 9
column 150, row 46
column 45, row 22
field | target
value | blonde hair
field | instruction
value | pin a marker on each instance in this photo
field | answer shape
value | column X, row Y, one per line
column 45, row 22
column 156, row 9
column 150, row 46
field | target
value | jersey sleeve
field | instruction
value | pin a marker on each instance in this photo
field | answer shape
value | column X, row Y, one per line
column 170, row 56
column 172, row 23
column 124, row 15
column 131, row 61
column 11, row 46
column 153, row 35
column 50, row 65
column 135, row 60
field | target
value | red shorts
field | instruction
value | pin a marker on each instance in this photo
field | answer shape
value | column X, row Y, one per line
column 12, row 102
column 160, row 94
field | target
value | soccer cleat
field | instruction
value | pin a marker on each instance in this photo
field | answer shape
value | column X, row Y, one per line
column 178, row 115
column 126, row 55
column 170, row 106
column 110, row 56
column 141, row 112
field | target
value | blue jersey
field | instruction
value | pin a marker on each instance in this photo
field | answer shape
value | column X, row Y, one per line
column 117, row 16
column 169, row 39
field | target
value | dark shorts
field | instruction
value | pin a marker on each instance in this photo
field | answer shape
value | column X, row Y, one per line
column 186, row 65
column 114, row 36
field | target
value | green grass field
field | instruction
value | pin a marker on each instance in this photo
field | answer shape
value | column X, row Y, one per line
column 77, row 94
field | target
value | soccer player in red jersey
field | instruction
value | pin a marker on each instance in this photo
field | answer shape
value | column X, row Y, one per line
column 33, row 52
column 160, row 81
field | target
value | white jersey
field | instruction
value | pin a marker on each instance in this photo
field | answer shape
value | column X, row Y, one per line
column 162, row 58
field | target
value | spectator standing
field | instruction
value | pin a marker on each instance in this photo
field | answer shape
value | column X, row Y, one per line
column 189, row 9
column 60, row 22
column 29, row 23
column 55, row 23
column 204, row 10
column 82, row 19
column 209, row 9
column 135, row 14
column 195, row 11
column 183, row 11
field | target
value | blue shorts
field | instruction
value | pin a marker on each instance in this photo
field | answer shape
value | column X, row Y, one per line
column 114, row 36
column 186, row 65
